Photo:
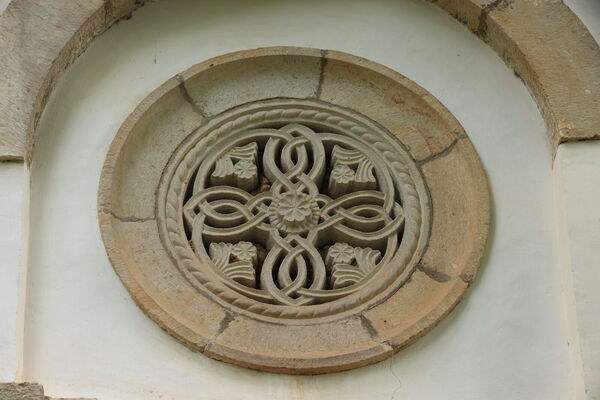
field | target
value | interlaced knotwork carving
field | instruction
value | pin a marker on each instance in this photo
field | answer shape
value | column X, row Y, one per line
column 299, row 217
column 297, row 211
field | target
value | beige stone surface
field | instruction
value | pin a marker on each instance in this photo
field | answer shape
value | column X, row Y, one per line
column 156, row 285
column 455, row 249
column 21, row 391
column 390, row 99
column 564, row 78
column 161, row 122
column 396, row 322
column 38, row 40
column 206, row 132
column 224, row 82
column 299, row 349
column 27, row 391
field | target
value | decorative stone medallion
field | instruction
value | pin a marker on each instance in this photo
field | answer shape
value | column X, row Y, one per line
column 293, row 210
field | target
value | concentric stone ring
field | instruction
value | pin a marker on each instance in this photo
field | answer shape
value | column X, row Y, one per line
column 312, row 215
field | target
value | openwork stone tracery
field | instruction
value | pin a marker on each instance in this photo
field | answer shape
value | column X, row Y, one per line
column 269, row 209
column 297, row 210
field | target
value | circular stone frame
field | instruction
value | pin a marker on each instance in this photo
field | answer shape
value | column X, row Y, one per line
column 434, row 140
column 293, row 116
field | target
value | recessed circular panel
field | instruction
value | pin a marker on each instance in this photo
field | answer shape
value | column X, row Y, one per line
column 293, row 210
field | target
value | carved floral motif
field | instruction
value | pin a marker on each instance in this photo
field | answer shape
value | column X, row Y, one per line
column 294, row 212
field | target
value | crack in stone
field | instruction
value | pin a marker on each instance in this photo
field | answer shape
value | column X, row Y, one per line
column 188, row 98
column 366, row 323
column 435, row 275
column 110, row 16
column 482, row 28
column 224, row 324
column 129, row 218
column 442, row 277
column 460, row 135
column 441, row 154
column 324, row 61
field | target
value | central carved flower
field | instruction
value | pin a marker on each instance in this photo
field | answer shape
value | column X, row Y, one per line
column 294, row 207
column 293, row 212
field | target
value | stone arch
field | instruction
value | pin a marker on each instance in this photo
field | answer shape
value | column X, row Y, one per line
column 40, row 39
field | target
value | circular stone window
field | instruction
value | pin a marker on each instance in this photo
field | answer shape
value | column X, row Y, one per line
column 293, row 210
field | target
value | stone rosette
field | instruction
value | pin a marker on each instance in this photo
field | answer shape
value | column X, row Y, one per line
column 294, row 210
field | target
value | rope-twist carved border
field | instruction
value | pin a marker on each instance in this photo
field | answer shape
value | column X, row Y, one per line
column 179, row 248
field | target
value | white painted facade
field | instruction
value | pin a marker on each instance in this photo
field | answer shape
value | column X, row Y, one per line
column 13, row 271
column 577, row 185
column 522, row 332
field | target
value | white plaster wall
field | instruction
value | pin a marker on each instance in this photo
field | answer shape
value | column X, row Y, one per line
column 3, row 4
column 85, row 336
column 577, row 185
column 13, row 195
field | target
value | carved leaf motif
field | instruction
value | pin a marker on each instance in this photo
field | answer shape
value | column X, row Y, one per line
column 241, row 272
column 352, row 171
column 341, row 255
column 223, row 169
column 220, row 254
column 237, row 168
column 366, row 258
column 237, row 261
column 345, row 275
